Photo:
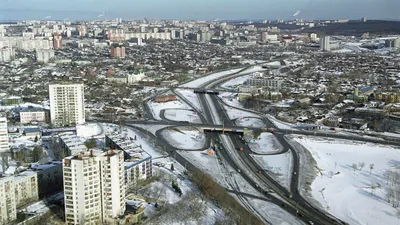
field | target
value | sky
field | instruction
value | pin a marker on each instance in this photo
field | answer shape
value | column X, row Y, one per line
column 198, row 9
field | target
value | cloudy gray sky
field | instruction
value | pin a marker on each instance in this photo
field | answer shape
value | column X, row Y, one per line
column 200, row 9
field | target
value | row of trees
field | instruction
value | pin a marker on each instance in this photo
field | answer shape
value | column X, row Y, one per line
column 392, row 177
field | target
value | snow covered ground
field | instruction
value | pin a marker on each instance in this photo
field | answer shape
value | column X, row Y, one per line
column 278, row 123
column 274, row 63
column 266, row 143
column 20, row 106
column 207, row 163
column 250, row 122
column 355, row 195
column 182, row 115
column 230, row 99
column 233, row 82
column 185, row 138
column 280, row 166
column 190, row 96
column 253, row 69
column 162, row 191
column 157, row 107
column 227, row 177
column 236, row 113
column 199, row 82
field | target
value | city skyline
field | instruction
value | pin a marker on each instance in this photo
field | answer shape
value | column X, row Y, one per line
column 200, row 10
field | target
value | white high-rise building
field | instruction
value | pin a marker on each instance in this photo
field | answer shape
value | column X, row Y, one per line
column 325, row 43
column 44, row 55
column 67, row 104
column 94, row 187
column 6, row 54
column 4, row 147
column 82, row 189
column 8, row 210
column 112, row 185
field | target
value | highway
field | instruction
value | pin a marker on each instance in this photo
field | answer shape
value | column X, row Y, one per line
column 298, row 205
column 213, row 115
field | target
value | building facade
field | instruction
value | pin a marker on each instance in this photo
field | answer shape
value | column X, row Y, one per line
column 6, row 54
column 32, row 115
column 44, row 55
column 82, row 190
column 117, row 52
column 8, row 210
column 112, row 185
column 325, row 43
column 4, row 147
column 94, row 188
column 138, row 163
column 71, row 144
column 57, row 41
column 270, row 83
column 67, row 104
column 26, row 188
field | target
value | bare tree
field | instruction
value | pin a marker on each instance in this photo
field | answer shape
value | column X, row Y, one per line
column 4, row 161
column 371, row 167
column 361, row 165
column 354, row 166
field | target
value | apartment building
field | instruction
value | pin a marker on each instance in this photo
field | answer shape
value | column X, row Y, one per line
column 8, row 210
column 117, row 52
column 71, row 144
column 4, row 147
column 138, row 163
column 6, row 54
column 94, row 188
column 44, row 55
column 112, row 185
column 82, row 189
column 67, row 104
column 26, row 188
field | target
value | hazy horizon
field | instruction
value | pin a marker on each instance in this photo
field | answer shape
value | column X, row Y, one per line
column 199, row 10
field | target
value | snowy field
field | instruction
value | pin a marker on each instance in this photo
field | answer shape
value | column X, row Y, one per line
column 280, row 166
column 162, row 191
column 345, row 187
column 227, row 177
column 184, row 138
column 182, row 115
column 230, row 99
column 279, row 124
column 207, row 163
column 157, row 107
column 236, row 113
column 190, row 96
column 199, row 82
column 274, row 64
column 151, row 128
column 253, row 69
column 233, row 82
column 266, row 143
column 250, row 122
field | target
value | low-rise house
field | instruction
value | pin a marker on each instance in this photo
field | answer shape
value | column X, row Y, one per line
column 30, row 115
column 167, row 98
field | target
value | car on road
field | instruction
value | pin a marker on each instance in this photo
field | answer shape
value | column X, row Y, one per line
column 311, row 222
column 240, row 148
